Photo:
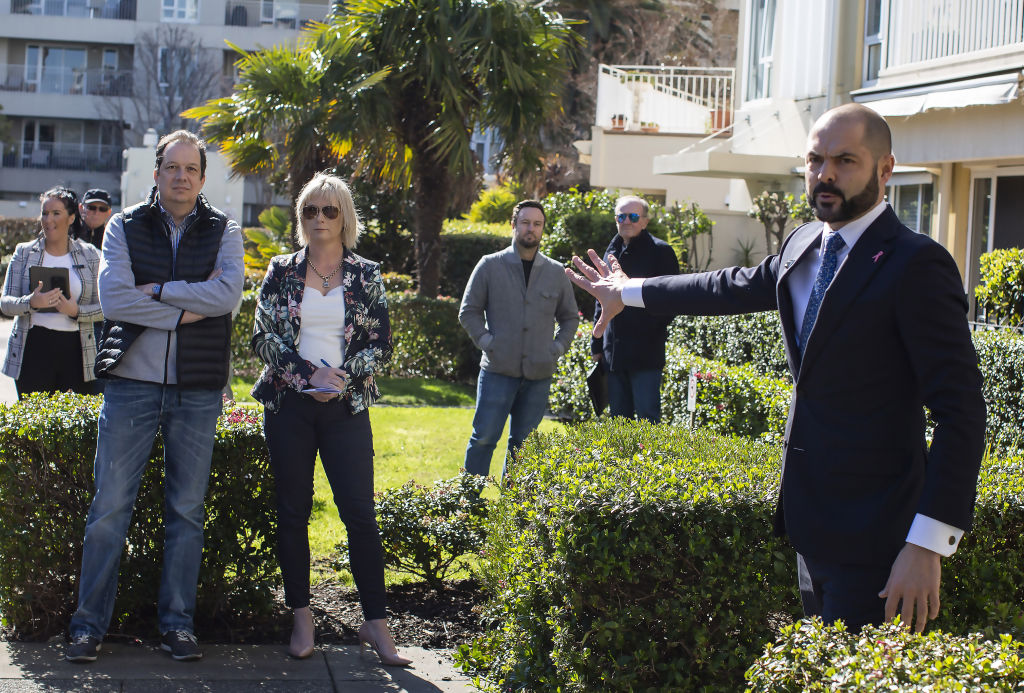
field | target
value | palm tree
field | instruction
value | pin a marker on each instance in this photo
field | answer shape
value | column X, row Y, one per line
column 396, row 88
column 457, row 64
column 288, row 115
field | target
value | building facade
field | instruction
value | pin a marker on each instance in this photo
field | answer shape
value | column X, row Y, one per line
column 81, row 80
column 947, row 76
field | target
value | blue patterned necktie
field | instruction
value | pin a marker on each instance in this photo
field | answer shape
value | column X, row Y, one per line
column 833, row 243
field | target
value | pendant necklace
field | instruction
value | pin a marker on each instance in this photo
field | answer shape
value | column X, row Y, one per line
column 327, row 279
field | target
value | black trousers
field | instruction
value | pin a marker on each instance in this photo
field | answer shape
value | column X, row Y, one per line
column 848, row 592
column 51, row 362
column 301, row 427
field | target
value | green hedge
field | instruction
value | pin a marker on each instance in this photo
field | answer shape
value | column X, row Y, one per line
column 626, row 556
column 811, row 657
column 1001, row 356
column 732, row 400
column 1000, row 291
column 47, row 446
column 753, row 339
column 16, row 230
column 428, row 340
column 459, row 254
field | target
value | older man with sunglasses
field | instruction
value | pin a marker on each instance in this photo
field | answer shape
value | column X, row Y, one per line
column 633, row 347
column 96, row 208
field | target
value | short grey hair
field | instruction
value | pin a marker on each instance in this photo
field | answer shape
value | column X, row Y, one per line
column 634, row 198
column 337, row 191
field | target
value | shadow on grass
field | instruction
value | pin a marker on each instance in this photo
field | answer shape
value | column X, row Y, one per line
column 422, row 392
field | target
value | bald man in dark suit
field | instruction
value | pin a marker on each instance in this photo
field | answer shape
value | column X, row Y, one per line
column 875, row 328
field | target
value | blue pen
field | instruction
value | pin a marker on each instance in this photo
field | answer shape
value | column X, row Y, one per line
column 326, row 364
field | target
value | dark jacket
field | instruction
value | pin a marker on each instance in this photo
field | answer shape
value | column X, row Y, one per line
column 203, row 347
column 635, row 339
column 890, row 339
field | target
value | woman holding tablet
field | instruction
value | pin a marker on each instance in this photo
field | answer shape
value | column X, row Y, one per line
column 52, row 346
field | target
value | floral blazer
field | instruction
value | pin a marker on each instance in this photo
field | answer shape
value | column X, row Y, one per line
column 278, row 319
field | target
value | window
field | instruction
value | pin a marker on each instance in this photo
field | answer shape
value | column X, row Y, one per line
column 109, row 60
column 180, row 11
column 873, row 12
column 55, row 70
column 762, row 39
column 913, row 205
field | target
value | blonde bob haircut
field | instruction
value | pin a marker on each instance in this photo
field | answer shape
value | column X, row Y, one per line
column 336, row 192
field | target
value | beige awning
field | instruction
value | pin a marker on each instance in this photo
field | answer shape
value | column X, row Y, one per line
column 719, row 164
column 984, row 91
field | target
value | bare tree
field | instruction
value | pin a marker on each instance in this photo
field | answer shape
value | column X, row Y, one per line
column 173, row 71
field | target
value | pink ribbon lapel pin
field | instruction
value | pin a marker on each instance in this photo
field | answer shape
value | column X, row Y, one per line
column 877, row 255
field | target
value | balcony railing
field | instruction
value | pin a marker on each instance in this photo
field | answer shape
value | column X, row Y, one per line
column 85, row 9
column 665, row 99
column 923, row 30
column 51, row 155
column 286, row 14
column 50, row 80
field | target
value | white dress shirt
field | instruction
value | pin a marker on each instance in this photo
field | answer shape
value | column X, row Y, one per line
column 925, row 531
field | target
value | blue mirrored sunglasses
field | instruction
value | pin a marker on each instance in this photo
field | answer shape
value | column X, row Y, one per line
column 632, row 216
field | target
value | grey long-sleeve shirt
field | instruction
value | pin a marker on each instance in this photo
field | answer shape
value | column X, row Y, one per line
column 153, row 352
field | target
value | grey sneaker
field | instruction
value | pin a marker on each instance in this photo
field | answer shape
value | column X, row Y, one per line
column 182, row 645
column 83, row 648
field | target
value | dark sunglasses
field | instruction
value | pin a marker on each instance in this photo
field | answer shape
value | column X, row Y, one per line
column 309, row 212
column 97, row 208
column 632, row 216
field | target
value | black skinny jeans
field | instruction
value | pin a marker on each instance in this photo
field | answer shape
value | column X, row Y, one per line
column 294, row 434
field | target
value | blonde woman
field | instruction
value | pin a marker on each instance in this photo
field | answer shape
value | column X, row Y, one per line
column 322, row 330
column 52, row 346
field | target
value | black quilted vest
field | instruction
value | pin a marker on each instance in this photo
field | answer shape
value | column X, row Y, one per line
column 204, row 347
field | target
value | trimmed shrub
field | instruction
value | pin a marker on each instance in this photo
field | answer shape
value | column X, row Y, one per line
column 1001, row 356
column 16, row 230
column 427, row 531
column 47, row 446
column 569, row 398
column 395, row 283
column 428, row 340
column 983, row 582
column 811, row 657
column 731, row 400
column 625, row 556
column 244, row 361
column 494, row 206
column 459, row 254
column 1000, row 291
column 753, row 339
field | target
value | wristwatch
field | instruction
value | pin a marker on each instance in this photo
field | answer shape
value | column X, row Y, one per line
column 157, row 288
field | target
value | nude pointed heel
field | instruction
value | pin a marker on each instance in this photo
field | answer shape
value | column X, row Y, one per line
column 366, row 641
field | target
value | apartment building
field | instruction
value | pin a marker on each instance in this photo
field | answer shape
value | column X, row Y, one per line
column 81, row 80
column 946, row 74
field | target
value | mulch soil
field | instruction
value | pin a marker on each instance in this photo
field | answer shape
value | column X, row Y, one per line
column 418, row 616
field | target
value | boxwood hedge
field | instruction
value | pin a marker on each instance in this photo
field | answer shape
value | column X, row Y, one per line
column 625, row 556
column 47, row 446
column 811, row 657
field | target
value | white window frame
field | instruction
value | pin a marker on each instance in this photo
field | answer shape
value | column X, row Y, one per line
column 874, row 39
column 761, row 48
column 179, row 11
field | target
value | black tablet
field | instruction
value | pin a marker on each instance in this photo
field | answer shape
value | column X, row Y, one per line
column 52, row 278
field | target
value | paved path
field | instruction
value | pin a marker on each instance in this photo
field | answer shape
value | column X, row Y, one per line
column 138, row 668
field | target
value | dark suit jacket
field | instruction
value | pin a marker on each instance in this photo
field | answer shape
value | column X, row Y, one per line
column 891, row 337
column 635, row 338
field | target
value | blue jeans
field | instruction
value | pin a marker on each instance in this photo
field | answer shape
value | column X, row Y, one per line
column 132, row 413
column 635, row 393
column 497, row 397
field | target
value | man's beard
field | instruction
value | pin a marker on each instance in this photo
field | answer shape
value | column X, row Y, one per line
column 528, row 244
column 849, row 208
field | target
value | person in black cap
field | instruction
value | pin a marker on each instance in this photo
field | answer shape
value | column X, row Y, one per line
column 96, row 212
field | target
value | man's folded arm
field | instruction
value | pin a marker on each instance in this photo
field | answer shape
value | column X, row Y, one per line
column 217, row 296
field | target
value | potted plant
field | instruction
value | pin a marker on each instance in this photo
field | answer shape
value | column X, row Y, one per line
column 618, row 122
column 649, row 126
